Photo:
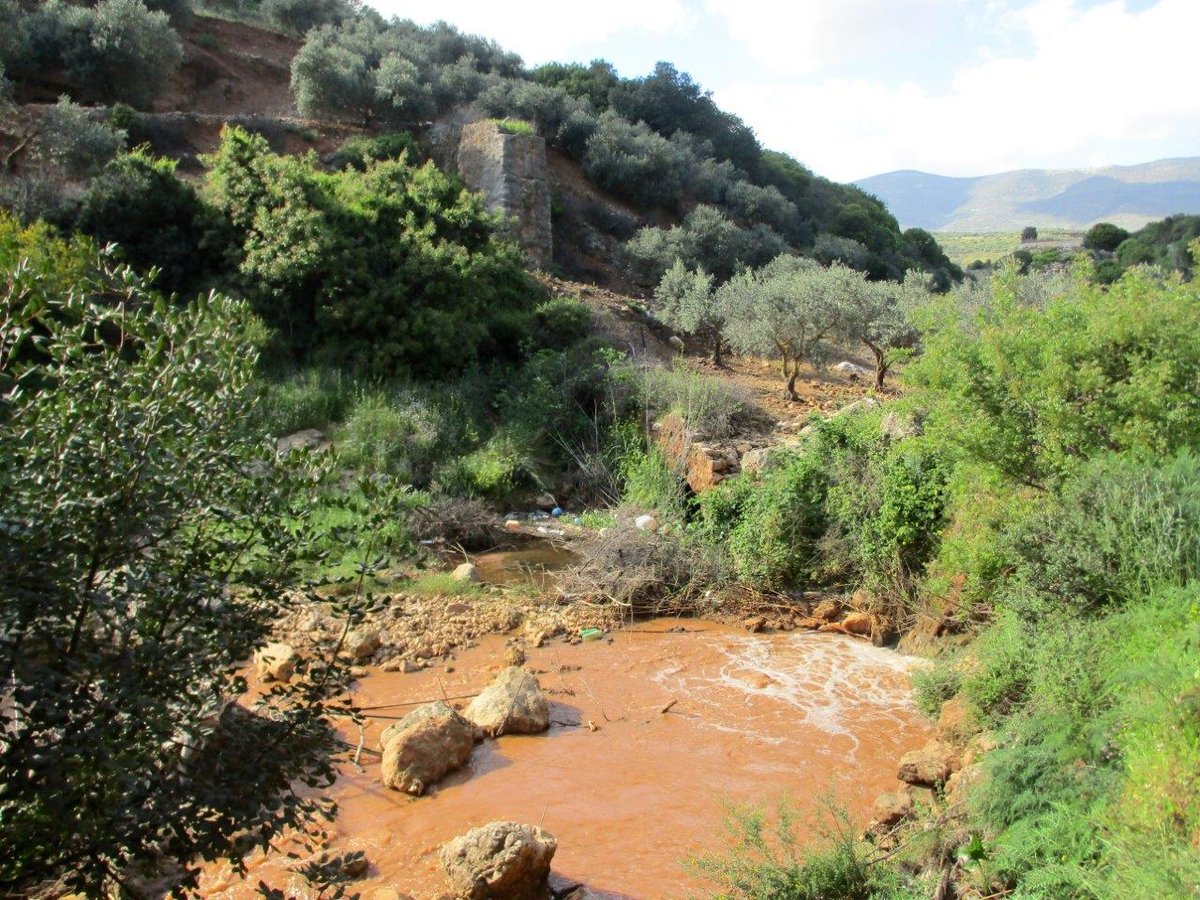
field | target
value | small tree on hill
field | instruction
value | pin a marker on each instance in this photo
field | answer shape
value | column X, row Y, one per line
column 787, row 307
column 878, row 315
column 1028, row 233
column 687, row 304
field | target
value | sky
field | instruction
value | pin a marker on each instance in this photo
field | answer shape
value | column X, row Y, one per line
column 854, row 88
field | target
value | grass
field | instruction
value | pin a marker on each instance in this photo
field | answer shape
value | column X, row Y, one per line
column 514, row 126
column 709, row 406
column 965, row 248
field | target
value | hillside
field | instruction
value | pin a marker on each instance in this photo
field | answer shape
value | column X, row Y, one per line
column 1074, row 199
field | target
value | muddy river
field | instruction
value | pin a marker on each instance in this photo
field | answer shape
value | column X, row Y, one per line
column 630, row 790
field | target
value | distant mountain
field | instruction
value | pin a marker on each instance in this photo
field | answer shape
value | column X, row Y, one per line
column 1129, row 196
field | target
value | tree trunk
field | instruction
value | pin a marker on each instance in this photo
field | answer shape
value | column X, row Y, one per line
column 791, row 386
column 881, row 366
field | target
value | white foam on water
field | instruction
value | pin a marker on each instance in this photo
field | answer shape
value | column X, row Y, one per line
column 833, row 684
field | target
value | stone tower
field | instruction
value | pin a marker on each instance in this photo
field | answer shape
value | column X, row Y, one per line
column 510, row 171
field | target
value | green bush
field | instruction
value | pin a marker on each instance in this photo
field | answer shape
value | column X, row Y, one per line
column 359, row 151
column 1121, row 529
column 392, row 435
column 1035, row 392
column 561, row 322
column 708, row 406
column 769, row 863
column 934, row 685
column 134, row 580
column 495, row 472
column 391, row 271
column 650, row 485
column 157, row 219
column 71, row 138
column 299, row 16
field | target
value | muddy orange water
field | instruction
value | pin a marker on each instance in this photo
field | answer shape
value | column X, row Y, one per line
column 755, row 718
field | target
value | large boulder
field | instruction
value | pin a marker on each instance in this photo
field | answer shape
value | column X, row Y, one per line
column 931, row 765
column 859, row 623
column 465, row 572
column 362, row 644
column 425, row 746
column 276, row 662
column 500, row 861
column 512, row 704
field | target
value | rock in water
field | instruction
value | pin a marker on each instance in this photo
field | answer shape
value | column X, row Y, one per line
column 423, row 747
column 276, row 662
column 858, row 623
column 500, row 861
column 512, row 704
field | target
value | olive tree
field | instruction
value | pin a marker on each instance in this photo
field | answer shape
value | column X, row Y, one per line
column 785, row 308
column 878, row 314
column 685, row 299
column 146, row 542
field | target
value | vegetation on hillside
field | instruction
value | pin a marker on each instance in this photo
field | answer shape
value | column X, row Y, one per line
column 1034, row 487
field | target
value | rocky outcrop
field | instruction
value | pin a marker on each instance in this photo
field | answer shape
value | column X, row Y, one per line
column 512, row 704
column 465, row 572
column 500, row 861
column 425, row 746
column 931, row 765
column 362, row 644
column 510, row 171
column 859, row 623
column 890, row 810
column 702, row 465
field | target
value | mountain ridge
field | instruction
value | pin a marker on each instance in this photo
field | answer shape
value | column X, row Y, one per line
column 1130, row 196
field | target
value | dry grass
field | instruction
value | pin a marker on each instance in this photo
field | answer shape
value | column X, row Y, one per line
column 644, row 573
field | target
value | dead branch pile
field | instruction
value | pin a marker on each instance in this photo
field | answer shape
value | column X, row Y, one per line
column 646, row 573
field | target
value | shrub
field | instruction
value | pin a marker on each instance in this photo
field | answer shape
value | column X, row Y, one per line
column 934, row 685
column 359, row 151
column 561, row 322
column 310, row 398
column 133, row 578
column 632, row 161
column 1121, row 529
column 708, row 406
column 130, row 54
column 1104, row 236
column 72, row 139
column 299, row 16
column 390, row 435
column 494, row 472
column 156, row 218
column 395, row 270
column 1037, row 392
column 770, row 864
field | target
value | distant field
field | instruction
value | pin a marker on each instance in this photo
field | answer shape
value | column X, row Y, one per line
column 964, row 248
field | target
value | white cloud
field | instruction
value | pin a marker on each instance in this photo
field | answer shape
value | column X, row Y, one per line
column 809, row 35
column 544, row 30
column 1098, row 84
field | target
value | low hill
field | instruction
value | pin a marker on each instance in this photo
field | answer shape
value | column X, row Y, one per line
column 1129, row 196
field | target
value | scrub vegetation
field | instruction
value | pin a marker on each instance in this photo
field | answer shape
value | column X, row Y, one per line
column 284, row 371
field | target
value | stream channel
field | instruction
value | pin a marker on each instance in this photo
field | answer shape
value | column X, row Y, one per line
column 629, row 790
